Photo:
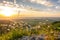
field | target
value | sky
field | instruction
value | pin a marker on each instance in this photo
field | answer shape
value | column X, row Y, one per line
column 39, row 8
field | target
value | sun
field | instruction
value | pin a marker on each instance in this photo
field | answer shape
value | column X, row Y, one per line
column 7, row 11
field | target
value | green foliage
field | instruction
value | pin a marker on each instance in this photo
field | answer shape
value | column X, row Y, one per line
column 19, row 32
column 56, row 25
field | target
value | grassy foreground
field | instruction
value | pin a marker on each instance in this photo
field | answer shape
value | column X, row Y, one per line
column 16, row 31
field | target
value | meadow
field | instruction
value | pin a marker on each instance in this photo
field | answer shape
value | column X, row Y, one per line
column 30, row 29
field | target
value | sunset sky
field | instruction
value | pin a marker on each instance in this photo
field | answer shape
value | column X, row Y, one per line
column 39, row 8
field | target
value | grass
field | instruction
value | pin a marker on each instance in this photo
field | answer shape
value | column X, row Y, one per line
column 19, row 32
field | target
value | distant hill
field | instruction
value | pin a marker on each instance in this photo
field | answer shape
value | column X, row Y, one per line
column 5, row 21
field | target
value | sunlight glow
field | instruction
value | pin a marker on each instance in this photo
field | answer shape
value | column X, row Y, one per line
column 7, row 11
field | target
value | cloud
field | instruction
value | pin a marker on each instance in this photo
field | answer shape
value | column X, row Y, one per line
column 43, row 2
column 58, row 1
column 40, row 14
column 57, row 7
